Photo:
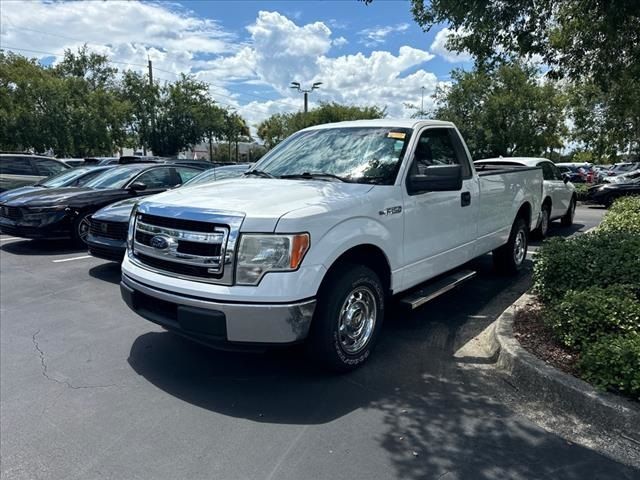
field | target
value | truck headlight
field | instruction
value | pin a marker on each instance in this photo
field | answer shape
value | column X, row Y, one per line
column 262, row 253
column 132, row 227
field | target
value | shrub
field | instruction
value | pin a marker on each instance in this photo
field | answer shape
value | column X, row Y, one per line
column 600, row 258
column 582, row 190
column 624, row 216
column 613, row 363
column 581, row 317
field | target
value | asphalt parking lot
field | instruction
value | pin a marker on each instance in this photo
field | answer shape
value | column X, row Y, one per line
column 89, row 390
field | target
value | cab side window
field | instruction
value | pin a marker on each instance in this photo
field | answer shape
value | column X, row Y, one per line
column 16, row 166
column 549, row 171
column 436, row 146
column 557, row 175
column 159, row 178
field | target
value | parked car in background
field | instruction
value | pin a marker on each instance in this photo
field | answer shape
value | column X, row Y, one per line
column 65, row 212
column 623, row 167
column 101, row 160
column 606, row 193
column 107, row 236
column 20, row 169
column 573, row 174
column 558, row 194
column 73, row 177
column 624, row 177
column 73, row 162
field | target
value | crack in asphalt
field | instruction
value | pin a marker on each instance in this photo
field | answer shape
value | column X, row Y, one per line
column 46, row 375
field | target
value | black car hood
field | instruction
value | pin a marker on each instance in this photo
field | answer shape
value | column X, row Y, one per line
column 71, row 197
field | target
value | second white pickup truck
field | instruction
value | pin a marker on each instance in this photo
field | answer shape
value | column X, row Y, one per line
column 314, row 240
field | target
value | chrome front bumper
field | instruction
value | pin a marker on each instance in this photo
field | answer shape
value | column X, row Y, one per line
column 217, row 323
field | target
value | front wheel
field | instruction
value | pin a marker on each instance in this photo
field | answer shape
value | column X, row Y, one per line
column 81, row 228
column 348, row 318
column 510, row 257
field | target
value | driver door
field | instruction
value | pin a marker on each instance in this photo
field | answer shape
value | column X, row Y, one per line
column 439, row 227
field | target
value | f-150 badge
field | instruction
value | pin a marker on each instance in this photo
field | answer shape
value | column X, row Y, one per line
column 390, row 211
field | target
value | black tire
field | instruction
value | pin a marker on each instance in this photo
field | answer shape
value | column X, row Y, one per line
column 506, row 259
column 328, row 345
column 567, row 219
column 81, row 228
column 542, row 230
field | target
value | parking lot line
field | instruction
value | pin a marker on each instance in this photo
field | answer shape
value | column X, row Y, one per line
column 71, row 259
column 6, row 239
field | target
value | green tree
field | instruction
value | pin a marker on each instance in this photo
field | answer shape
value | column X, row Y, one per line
column 504, row 110
column 279, row 126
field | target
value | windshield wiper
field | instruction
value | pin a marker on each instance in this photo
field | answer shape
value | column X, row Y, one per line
column 259, row 173
column 312, row 176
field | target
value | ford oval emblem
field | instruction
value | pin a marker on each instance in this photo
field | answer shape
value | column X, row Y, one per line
column 159, row 242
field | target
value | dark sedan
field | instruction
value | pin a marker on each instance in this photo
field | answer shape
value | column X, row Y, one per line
column 65, row 212
column 74, row 177
column 108, row 232
column 606, row 194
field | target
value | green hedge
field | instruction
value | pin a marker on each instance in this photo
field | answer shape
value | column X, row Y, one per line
column 583, row 316
column 600, row 259
column 590, row 289
column 582, row 190
column 624, row 215
column 613, row 363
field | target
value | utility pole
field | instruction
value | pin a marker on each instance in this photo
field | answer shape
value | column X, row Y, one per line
column 296, row 86
column 153, row 109
column 422, row 103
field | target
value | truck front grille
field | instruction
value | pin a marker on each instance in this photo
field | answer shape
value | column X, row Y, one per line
column 188, row 248
column 114, row 230
column 13, row 213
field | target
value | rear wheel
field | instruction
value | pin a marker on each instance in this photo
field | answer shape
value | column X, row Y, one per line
column 510, row 257
column 567, row 219
column 545, row 219
column 348, row 318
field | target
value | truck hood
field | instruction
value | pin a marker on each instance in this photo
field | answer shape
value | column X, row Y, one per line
column 261, row 201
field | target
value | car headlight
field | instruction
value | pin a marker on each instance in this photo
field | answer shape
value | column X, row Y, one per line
column 132, row 227
column 259, row 254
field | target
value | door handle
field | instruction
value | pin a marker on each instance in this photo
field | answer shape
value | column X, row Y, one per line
column 465, row 199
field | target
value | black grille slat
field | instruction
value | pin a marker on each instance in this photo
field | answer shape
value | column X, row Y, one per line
column 179, row 268
column 12, row 213
column 114, row 230
column 178, row 223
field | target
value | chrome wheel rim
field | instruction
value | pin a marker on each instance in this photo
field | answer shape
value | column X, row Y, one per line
column 83, row 228
column 519, row 247
column 357, row 320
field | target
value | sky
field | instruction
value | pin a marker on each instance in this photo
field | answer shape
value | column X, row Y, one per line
column 250, row 51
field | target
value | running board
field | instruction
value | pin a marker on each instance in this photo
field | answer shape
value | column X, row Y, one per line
column 437, row 288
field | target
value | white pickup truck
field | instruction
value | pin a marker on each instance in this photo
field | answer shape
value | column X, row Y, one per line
column 314, row 240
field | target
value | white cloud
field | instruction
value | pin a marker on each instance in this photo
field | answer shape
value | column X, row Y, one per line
column 276, row 52
column 378, row 35
column 439, row 47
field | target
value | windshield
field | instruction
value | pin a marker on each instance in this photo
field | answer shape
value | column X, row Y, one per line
column 357, row 154
column 63, row 178
column 115, row 178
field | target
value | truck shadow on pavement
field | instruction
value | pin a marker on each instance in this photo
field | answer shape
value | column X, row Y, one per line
column 431, row 415
column 107, row 272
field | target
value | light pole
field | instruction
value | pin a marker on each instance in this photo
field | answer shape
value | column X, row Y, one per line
column 422, row 103
column 315, row 86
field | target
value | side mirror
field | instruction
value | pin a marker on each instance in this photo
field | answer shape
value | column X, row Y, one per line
column 438, row 178
column 137, row 186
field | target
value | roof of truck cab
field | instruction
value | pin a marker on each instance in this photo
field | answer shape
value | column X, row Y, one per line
column 528, row 161
column 385, row 123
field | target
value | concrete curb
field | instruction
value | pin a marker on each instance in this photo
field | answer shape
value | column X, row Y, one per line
column 547, row 383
